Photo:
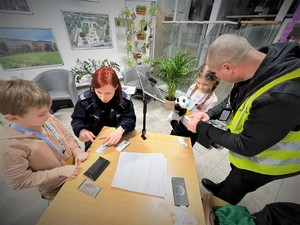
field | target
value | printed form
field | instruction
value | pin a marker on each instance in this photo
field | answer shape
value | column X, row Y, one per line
column 142, row 172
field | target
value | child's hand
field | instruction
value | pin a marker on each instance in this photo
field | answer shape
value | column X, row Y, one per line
column 86, row 135
column 81, row 157
column 114, row 137
column 69, row 171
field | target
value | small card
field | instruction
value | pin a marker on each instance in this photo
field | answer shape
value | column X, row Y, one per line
column 102, row 148
column 89, row 188
column 122, row 146
column 182, row 142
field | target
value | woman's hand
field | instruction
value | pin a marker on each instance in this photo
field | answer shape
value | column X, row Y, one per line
column 86, row 135
column 114, row 137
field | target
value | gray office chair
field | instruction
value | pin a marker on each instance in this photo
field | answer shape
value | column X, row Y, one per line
column 60, row 84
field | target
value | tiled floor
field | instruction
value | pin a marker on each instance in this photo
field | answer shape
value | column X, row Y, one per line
column 25, row 207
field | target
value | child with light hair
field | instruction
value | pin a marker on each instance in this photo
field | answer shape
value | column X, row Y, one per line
column 35, row 147
column 201, row 97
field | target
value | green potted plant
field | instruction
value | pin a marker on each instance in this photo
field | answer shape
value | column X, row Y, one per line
column 144, row 48
column 150, row 38
column 125, row 20
column 175, row 70
column 136, row 50
column 129, row 47
column 125, row 17
column 85, row 69
column 153, row 10
column 141, row 9
column 141, row 33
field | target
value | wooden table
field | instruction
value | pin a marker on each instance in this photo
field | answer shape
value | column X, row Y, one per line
column 121, row 207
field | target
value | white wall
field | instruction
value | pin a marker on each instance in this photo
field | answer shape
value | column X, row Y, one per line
column 166, row 6
column 47, row 14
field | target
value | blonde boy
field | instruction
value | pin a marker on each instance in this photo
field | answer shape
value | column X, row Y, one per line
column 34, row 146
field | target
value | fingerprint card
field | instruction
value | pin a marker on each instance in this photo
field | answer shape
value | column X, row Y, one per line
column 89, row 188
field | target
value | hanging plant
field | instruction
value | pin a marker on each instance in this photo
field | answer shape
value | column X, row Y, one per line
column 129, row 47
column 141, row 33
column 150, row 38
column 144, row 48
column 141, row 9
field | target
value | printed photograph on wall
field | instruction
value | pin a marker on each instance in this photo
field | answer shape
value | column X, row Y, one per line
column 28, row 47
column 15, row 6
column 88, row 31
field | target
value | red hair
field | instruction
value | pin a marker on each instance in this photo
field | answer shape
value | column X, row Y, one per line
column 105, row 76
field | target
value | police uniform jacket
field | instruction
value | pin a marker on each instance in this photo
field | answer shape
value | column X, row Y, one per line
column 92, row 114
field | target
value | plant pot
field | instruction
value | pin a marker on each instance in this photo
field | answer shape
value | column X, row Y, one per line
column 169, row 105
column 137, row 55
column 141, row 12
column 140, row 37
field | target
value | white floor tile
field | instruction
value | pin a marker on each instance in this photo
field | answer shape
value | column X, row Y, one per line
column 289, row 190
column 214, row 155
column 216, row 175
column 268, row 192
column 252, row 203
column 203, row 165
column 224, row 165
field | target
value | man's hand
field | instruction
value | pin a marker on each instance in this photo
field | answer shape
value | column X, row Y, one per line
column 194, row 119
column 114, row 137
column 86, row 135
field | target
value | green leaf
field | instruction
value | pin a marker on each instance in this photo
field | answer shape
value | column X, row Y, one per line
column 175, row 70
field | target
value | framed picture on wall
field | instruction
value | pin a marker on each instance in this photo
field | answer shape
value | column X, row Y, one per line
column 87, row 30
column 16, row 6
column 27, row 48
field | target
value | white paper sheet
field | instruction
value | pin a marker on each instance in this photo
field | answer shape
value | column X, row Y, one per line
column 142, row 172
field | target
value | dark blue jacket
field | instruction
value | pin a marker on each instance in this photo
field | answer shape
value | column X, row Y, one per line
column 92, row 114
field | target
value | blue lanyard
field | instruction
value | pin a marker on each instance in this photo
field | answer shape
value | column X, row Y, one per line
column 25, row 130
column 192, row 109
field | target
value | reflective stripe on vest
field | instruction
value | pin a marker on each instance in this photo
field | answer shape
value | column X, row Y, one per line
column 281, row 158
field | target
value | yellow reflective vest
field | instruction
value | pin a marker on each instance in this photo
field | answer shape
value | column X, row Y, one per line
column 281, row 158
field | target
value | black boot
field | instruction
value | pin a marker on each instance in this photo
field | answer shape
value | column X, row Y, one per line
column 210, row 186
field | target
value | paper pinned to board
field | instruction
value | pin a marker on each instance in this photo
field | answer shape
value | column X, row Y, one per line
column 142, row 172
